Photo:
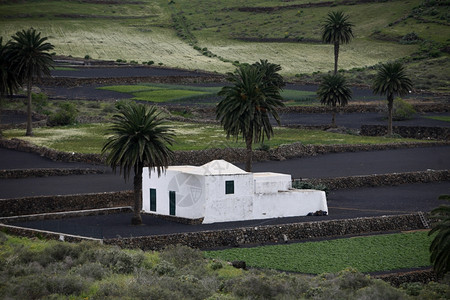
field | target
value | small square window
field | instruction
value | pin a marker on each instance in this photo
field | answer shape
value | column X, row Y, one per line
column 229, row 187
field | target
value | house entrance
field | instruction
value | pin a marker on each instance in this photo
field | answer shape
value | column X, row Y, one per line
column 172, row 202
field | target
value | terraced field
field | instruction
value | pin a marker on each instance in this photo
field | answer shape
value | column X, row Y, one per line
column 198, row 35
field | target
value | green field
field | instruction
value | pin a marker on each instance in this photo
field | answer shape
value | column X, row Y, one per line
column 89, row 138
column 197, row 35
column 172, row 93
column 366, row 254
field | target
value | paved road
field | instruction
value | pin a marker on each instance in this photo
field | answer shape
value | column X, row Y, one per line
column 329, row 165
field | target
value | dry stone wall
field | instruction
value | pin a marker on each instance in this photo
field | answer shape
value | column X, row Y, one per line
column 200, row 157
column 273, row 233
column 25, row 173
column 380, row 179
column 415, row 132
column 51, row 204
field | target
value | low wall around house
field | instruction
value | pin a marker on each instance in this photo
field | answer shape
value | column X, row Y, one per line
column 415, row 132
column 392, row 179
column 273, row 233
column 32, row 233
column 51, row 204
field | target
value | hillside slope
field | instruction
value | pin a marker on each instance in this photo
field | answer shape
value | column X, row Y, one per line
column 197, row 35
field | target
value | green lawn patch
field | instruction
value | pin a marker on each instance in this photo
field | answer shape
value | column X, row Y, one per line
column 89, row 138
column 366, row 254
column 440, row 118
column 64, row 69
column 162, row 92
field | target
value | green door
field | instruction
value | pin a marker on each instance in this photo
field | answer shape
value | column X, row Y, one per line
column 172, row 202
column 153, row 199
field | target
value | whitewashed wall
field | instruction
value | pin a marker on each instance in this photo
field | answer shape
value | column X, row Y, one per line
column 189, row 191
column 254, row 197
column 271, row 182
column 221, row 207
column 288, row 204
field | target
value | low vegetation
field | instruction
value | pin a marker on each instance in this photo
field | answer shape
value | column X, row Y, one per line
column 37, row 269
column 89, row 138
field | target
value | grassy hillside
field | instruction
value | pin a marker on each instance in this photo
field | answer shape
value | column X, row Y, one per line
column 197, row 35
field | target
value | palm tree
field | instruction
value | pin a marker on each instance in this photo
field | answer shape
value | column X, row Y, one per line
column 30, row 59
column 139, row 139
column 8, row 80
column 391, row 79
column 337, row 30
column 247, row 105
column 270, row 73
column 440, row 246
column 333, row 91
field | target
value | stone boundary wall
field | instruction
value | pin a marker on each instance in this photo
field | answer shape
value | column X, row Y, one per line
column 24, row 146
column 392, row 179
column 273, row 233
column 72, row 81
column 45, row 172
column 32, row 233
column 358, row 108
column 233, row 155
column 398, row 278
column 61, row 203
column 67, row 214
column 40, row 120
column 415, row 132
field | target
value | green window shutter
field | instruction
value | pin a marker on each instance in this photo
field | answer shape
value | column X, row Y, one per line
column 153, row 199
column 229, row 187
column 172, row 201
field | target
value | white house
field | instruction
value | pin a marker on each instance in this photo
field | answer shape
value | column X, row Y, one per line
column 220, row 192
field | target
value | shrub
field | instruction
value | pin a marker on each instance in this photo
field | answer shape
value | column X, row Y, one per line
column 402, row 110
column 93, row 104
column 263, row 147
column 165, row 268
column 117, row 260
column 67, row 284
column 305, row 185
column 87, row 56
column 150, row 62
column 181, row 256
column 380, row 290
column 40, row 101
column 94, row 270
column 121, row 103
column 28, row 287
column 66, row 115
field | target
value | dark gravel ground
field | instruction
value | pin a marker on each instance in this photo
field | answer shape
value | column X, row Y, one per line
column 125, row 71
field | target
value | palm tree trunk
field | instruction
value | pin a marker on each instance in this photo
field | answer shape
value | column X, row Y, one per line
column 333, row 119
column 29, row 120
column 1, row 109
column 390, row 106
column 249, row 142
column 336, row 56
column 137, row 196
